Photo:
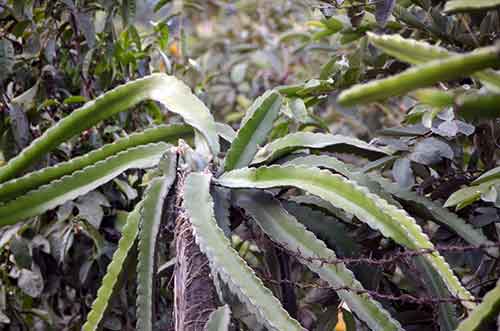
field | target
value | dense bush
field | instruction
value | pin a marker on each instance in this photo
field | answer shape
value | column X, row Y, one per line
column 346, row 175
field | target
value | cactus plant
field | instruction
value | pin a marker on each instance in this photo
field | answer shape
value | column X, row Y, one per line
column 249, row 176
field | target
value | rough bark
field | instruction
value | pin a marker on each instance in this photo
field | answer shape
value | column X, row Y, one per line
column 195, row 294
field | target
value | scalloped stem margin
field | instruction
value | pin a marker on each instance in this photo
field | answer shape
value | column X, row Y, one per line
column 423, row 75
column 283, row 228
column 79, row 183
column 487, row 309
column 381, row 186
column 225, row 261
column 299, row 140
column 419, row 52
column 151, row 217
column 109, row 281
column 168, row 90
column 18, row 186
column 368, row 207
column 456, row 6
column 441, row 215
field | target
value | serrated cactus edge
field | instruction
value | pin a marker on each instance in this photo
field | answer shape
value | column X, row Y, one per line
column 151, row 217
column 129, row 235
column 368, row 207
column 79, row 183
column 418, row 52
column 283, row 228
column 383, row 187
column 422, row 75
column 168, row 90
column 18, row 186
column 226, row 262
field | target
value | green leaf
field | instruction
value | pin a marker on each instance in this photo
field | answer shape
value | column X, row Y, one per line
column 284, row 229
column 333, row 24
column 298, row 110
column 329, row 69
column 238, row 72
column 423, row 75
column 26, row 100
column 225, row 131
column 254, row 129
column 291, row 35
column 299, row 140
column 467, row 195
column 487, row 309
column 490, row 175
column 168, row 90
column 368, row 207
column 323, row 33
column 219, row 319
column 225, row 261
column 74, row 99
column 419, row 52
column 160, row 4
column 312, row 87
column 382, row 187
column 315, row 87
column 18, row 186
column 87, row 61
column 109, row 281
column 79, row 183
column 455, row 6
column 151, row 217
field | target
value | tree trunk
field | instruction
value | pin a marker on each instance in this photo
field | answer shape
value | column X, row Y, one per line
column 194, row 291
